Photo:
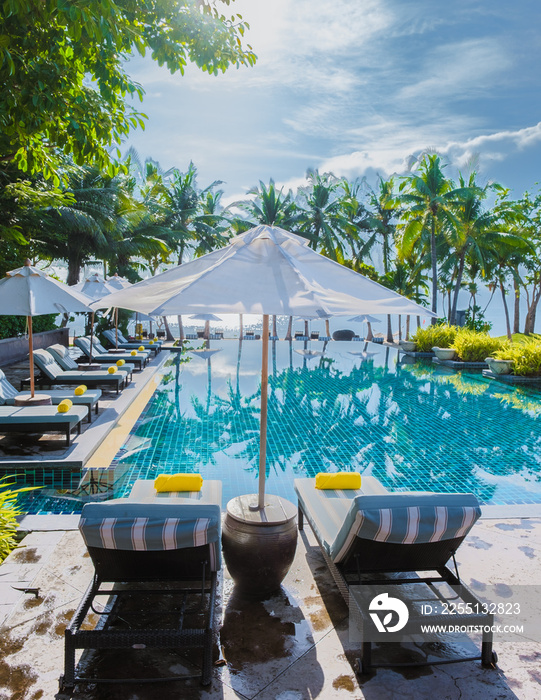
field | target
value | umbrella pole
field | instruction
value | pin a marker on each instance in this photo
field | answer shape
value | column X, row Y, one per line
column 116, row 327
column 31, row 354
column 263, row 426
column 91, row 337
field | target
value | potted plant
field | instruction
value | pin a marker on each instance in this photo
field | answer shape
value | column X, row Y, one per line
column 440, row 336
column 444, row 353
column 524, row 356
column 407, row 345
column 472, row 346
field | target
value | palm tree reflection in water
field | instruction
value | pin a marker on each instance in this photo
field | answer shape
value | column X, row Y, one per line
column 411, row 426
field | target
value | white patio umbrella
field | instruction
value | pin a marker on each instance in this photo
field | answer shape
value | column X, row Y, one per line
column 369, row 320
column 96, row 287
column 266, row 270
column 30, row 292
column 207, row 318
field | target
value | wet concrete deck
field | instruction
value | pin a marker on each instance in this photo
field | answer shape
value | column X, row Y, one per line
column 293, row 646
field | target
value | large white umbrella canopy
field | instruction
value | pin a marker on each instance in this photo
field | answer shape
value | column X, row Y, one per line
column 266, row 270
column 28, row 291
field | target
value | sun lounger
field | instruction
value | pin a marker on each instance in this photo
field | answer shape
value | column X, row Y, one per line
column 62, row 356
column 41, row 419
column 101, row 355
column 171, row 541
column 90, row 399
column 369, row 536
column 145, row 342
column 52, row 373
column 125, row 344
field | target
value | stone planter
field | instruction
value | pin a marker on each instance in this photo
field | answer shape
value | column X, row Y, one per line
column 407, row 345
column 444, row 353
column 499, row 366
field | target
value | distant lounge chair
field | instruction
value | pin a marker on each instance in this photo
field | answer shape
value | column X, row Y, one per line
column 90, row 399
column 100, row 354
column 370, row 535
column 125, row 344
column 165, row 539
column 41, row 419
column 62, row 355
column 314, row 335
column 53, row 374
column 299, row 335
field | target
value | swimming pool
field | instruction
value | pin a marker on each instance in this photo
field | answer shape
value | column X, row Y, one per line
column 355, row 406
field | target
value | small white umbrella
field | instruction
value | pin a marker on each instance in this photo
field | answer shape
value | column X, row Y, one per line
column 364, row 318
column 369, row 320
column 118, row 282
column 28, row 291
column 96, row 288
column 264, row 271
column 207, row 318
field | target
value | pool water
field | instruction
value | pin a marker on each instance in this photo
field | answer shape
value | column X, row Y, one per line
column 353, row 406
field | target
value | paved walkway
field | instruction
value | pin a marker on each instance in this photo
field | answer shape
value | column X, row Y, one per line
column 293, row 646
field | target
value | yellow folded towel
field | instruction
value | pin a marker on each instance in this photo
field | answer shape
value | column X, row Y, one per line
column 121, row 362
column 133, row 352
column 178, row 482
column 80, row 390
column 64, row 406
column 112, row 369
column 338, row 480
column 141, row 348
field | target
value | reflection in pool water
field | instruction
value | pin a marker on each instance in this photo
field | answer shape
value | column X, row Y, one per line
column 355, row 406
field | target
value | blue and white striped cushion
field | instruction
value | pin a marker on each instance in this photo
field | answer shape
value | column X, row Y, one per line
column 406, row 518
column 129, row 525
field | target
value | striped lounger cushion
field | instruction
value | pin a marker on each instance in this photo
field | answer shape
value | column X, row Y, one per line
column 143, row 526
column 406, row 518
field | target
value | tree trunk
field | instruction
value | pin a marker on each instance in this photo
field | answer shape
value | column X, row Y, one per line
column 418, row 321
column 289, row 329
column 168, row 334
column 408, row 327
column 327, row 328
column 399, row 327
column 506, row 310
column 452, row 317
column 389, row 329
column 516, row 320
column 529, row 323
column 241, row 327
column 306, row 331
column 274, row 329
column 369, row 334
column 74, row 270
column 434, row 262
column 180, row 328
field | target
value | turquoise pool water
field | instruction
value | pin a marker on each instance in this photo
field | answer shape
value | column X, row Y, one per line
column 413, row 426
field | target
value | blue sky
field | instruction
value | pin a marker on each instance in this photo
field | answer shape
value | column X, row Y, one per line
column 355, row 87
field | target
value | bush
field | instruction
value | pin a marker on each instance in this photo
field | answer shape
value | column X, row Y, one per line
column 14, row 326
column 526, row 357
column 8, row 516
column 440, row 336
column 471, row 346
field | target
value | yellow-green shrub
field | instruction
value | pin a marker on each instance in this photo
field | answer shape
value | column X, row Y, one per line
column 472, row 346
column 526, row 357
column 8, row 516
column 440, row 336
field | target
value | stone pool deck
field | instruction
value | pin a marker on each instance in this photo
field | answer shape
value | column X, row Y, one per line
column 293, row 646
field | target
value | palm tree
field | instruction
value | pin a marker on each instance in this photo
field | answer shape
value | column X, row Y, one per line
column 82, row 229
column 428, row 197
column 322, row 218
